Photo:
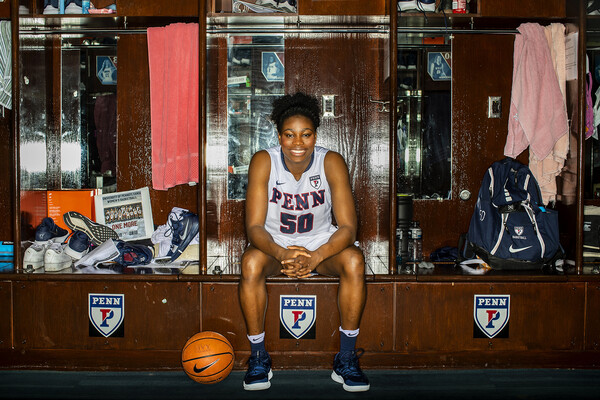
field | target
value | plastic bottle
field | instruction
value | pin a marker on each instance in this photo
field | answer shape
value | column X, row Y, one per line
column 459, row 6
column 416, row 243
column 85, row 6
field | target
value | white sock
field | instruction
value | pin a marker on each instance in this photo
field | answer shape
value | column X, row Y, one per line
column 348, row 333
column 256, row 338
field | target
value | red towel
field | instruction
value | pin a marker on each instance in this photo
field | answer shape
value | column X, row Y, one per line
column 174, row 88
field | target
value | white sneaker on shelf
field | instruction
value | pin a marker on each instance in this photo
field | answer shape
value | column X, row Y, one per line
column 404, row 5
column 426, row 5
column 56, row 259
column 73, row 8
column 34, row 256
column 50, row 10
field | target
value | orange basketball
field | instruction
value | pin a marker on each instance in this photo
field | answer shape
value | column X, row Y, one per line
column 207, row 357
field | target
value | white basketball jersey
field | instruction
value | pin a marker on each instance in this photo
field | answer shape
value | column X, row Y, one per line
column 299, row 212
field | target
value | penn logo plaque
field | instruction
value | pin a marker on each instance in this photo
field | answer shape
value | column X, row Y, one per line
column 106, row 312
column 297, row 316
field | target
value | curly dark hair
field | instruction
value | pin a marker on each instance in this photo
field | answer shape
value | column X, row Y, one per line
column 295, row 104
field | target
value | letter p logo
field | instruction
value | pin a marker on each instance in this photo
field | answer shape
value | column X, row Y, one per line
column 298, row 316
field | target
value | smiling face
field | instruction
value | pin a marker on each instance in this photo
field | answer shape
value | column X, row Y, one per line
column 297, row 139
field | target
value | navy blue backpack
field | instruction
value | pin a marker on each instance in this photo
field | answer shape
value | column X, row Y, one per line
column 510, row 227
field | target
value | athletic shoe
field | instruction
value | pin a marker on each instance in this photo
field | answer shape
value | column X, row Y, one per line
column 49, row 231
column 184, row 228
column 259, row 374
column 162, row 237
column 593, row 7
column 97, row 233
column 347, row 372
column 404, row 5
column 281, row 5
column 107, row 251
column 78, row 246
column 73, row 8
column 426, row 5
column 133, row 254
column 56, row 259
column 34, row 256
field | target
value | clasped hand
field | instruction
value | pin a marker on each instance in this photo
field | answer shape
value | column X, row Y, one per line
column 298, row 262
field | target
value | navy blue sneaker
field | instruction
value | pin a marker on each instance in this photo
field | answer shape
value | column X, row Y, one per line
column 347, row 372
column 133, row 254
column 79, row 245
column 48, row 230
column 184, row 227
column 259, row 374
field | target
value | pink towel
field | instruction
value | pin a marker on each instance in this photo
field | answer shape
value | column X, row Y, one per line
column 537, row 116
column 546, row 170
column 174, row 88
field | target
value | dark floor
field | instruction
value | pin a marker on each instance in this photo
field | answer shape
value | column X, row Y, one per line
column 317, row 384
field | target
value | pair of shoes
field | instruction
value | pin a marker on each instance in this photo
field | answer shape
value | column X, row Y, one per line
column 97, row 233
column 418, row 5
column 184, row 227
column 46, row 234
column 347, row 372
column 259, row 374
column 117, row 251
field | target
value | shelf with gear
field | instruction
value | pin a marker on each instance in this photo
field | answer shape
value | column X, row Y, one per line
column 255, row 77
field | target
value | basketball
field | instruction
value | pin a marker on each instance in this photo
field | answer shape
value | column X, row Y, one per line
column 207, row 357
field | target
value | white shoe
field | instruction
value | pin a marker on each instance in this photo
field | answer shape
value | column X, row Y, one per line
column 73, row 9
column 34, row 255
column 404, row 5
column 50, row 10
column 56, row 259
column 107, row 251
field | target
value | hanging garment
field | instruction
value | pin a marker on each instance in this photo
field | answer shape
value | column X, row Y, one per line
column 546, row 170
column 174, row 104
column 538, row 114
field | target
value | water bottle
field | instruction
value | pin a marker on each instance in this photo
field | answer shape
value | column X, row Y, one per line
column 399, row 234
column 404, row 217
column 416, row 243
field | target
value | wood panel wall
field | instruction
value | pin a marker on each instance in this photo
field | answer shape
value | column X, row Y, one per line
column 523, row 9
column 172, row 8
column 406, row 323
column 346, row 7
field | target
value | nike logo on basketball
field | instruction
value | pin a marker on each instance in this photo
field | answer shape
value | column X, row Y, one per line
column 513, row 250
column 279, row 183
column 199, row 370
